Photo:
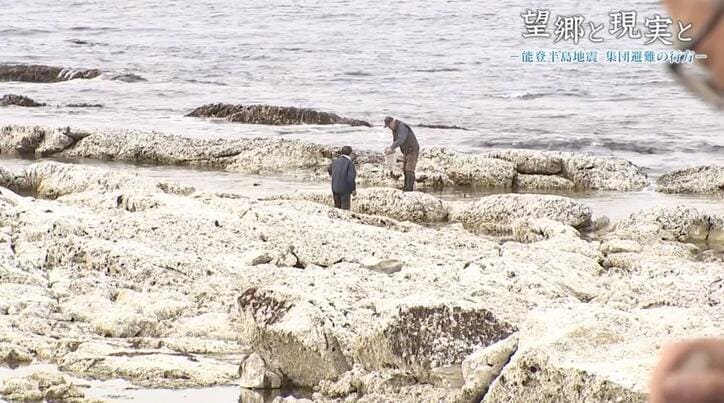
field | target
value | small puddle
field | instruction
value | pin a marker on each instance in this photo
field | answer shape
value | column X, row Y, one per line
column 119, row 390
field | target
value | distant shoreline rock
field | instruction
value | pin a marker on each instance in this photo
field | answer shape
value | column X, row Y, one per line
column 442, row 127
column 125, row 77
column 272, row 115
column 23, row 101
column 19, row 100
column 84, row 105
column 36, row 73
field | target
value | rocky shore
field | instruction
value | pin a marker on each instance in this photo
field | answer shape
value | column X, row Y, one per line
column 272, row 115
column 407, row 298
column 438, row 168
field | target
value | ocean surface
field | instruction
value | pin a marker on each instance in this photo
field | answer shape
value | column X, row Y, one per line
column 439, row 62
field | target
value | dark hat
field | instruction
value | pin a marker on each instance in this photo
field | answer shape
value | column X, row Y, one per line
column 388, row 120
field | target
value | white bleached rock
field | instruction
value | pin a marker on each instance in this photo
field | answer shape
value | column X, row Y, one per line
column 253, row 374
column 539, row 229
column 241, row 155
column 482, row 367
column 585, row 171
column 12, row 354
column 466, row 169
column 529, row 161
column 289, row 333
column 708, row 179
column 144, row 367
column 497, row 213
column 601, row 173
column 590, row 353
column 130, row 314
column 620, row 246
column 52, row 179
column 543, row 182
column 437, row 167
column 681, row 223
column 40, row 385
column 393, row 203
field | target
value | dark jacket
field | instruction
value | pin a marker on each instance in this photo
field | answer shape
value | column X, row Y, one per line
column 343, row 175
column 404, row 137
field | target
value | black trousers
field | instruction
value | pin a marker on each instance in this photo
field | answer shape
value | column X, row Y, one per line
column 342, row 200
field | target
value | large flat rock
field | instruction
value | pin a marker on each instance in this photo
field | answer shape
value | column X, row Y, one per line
column 681, row 223
column 445, row 167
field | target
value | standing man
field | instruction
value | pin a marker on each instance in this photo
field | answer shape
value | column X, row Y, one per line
column 404, row 137
column 344, row 175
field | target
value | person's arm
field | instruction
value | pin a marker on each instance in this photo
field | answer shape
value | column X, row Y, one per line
column 690, row 371
column 352, row 176
column 329, row 169
column 402, row 132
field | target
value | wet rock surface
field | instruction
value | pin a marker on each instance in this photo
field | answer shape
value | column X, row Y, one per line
column 272, row 115
column 44, row 74
column 18, row 100
column 698, row 180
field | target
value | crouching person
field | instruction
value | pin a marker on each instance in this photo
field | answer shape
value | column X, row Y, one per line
column 344, row 175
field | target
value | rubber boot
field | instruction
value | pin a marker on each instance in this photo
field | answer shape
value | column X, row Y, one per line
column 409, row 182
